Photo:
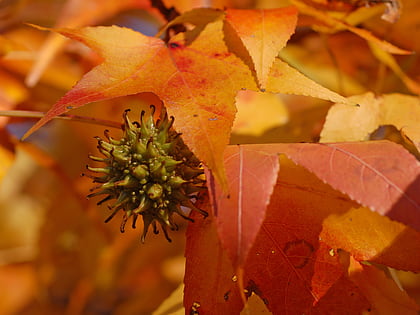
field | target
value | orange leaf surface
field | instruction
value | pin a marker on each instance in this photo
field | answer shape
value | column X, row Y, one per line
column 210, row 285
column 380, row 174
column 251, row 175
column 197, row 83
column 345, row 123
column 383, row 293
column 264, row 34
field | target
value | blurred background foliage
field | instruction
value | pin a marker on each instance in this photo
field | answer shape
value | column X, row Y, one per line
column 56, row 254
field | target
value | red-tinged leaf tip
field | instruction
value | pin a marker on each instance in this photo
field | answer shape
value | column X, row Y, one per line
column 34, row 128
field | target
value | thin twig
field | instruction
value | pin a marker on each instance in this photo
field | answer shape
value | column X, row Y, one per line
column 84, row 119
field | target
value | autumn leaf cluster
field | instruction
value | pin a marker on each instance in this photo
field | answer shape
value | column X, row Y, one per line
column 304, row 114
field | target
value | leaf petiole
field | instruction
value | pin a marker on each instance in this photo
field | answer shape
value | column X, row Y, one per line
column 84, row 119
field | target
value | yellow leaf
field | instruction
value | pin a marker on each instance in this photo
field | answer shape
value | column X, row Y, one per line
column 351, row 123
column 346, row 123
column 285, row 79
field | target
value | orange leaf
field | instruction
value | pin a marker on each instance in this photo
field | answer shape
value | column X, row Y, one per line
column 383, row 293
column 239, row 215
column 197, row 83
column 378, row 174
column 264, row 34
column 210, row 285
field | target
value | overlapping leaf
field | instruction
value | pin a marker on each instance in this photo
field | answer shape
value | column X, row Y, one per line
column 359, row 170
column 287, row 258
column 381, row 175
column 251, row 175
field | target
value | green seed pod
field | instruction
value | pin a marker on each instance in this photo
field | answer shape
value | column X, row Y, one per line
column 148, row 172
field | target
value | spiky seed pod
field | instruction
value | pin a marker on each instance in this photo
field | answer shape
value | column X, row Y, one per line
column 148, row 172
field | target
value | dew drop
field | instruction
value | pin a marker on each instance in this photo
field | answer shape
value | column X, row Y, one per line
column 234, row 278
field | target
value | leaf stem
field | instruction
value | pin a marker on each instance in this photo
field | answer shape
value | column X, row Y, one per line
column 84, row 119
